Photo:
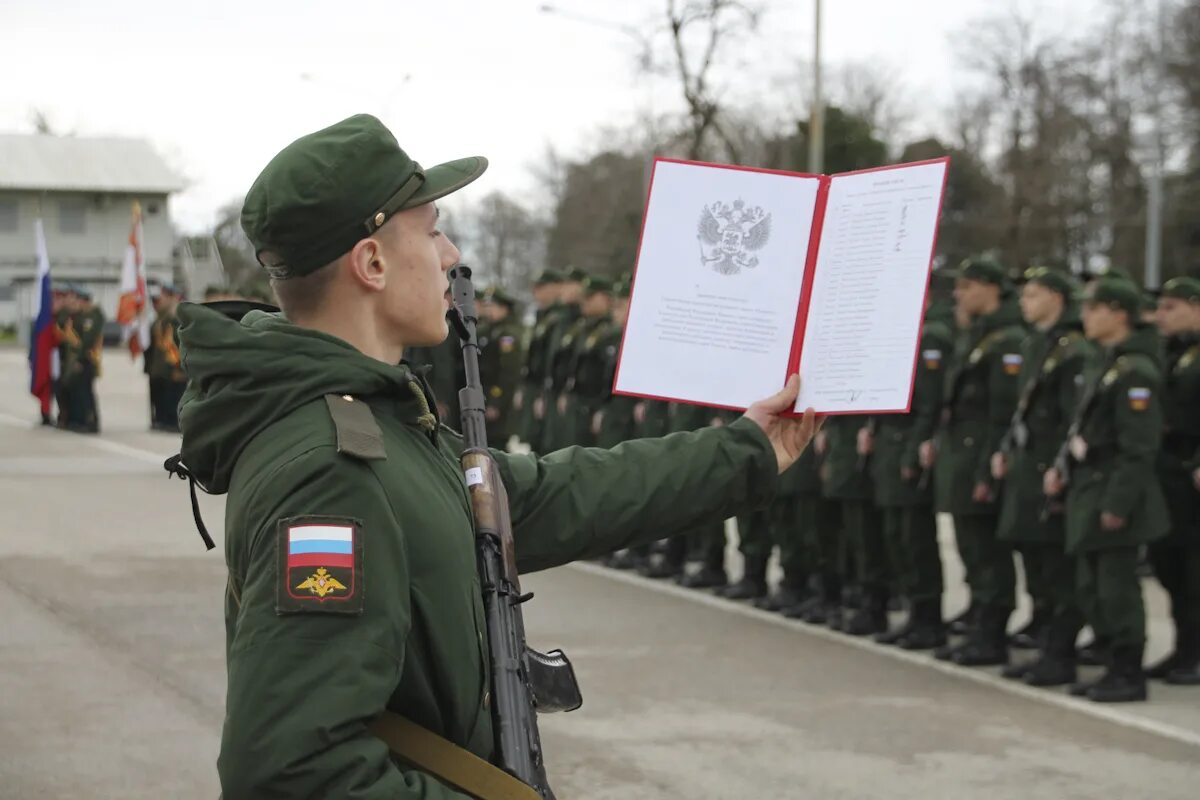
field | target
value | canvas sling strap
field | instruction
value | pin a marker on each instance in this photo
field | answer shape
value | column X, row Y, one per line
column 441, row 758
column 448, row 762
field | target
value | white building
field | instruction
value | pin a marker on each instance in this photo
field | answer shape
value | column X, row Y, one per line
column 83, row 189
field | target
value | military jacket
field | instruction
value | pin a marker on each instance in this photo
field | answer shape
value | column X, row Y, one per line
column 561, row 346
column 589, row 362
column 330, row 456
column 537, row 349
column 500, row 372
column 898, row 437
column 1180, row 454
column 981, row 394
column 1119, row 419
column 844, row 474
column 616, row 411
column 163, row 354
column 1051, row 381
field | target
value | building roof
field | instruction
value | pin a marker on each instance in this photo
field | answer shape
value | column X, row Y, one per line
column 68, row 163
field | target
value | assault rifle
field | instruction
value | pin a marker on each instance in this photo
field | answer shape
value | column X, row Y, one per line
column 524, row 681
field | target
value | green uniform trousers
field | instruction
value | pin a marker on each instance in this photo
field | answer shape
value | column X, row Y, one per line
column 1111, row 595
column 1049, row 575
column 990, row 571
column 820, row 522
column 1177, row 567
column 779, row 525
column 914, row 558
column 863, row 526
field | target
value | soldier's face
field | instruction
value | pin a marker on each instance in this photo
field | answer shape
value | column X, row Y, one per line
column 1039, row 304
column 1177, row 316
column 1100, row 321
column 416, row 256
column 970, row 296
column 545, row 294
column 597, row 304
column 571, row 292
column 620, row 312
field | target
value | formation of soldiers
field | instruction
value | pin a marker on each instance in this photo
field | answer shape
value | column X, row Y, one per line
column 1057, row 425
column 79, row 333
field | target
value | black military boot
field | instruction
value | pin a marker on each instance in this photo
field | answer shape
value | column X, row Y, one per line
column 1030, row 636
column 870, row 617
column 707, row 577
column 753, row 583
column 788, row 594
column 627, row 559
column 927, row 630
column 1017, row 670
column 1093, row 654
column 835, row 617
column 1186, row 671
column 1051, row 670
column 896, row 634
column 987, row 644
column 962, row 624
column 1125, row 682
column 803, row 609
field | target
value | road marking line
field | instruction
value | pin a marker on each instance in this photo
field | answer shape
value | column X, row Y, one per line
column 115, row 448
column 1106, row 713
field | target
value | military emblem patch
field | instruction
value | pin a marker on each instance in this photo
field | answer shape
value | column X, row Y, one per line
column 1139, row 398
column 1012, row 363
column 320, row 566
column 976, row 354
column 507, row 344
column 933, row 358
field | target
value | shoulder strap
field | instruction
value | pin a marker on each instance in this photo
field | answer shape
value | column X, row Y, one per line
column 358, row 433
column 448, row 762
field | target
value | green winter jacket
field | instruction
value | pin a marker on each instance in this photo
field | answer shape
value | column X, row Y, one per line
column 352, row 581
column 1120, row 418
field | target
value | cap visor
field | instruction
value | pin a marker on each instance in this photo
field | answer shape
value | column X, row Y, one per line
column 443, row 179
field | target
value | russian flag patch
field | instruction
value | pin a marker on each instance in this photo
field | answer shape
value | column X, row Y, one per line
column 1012, row 363
column 1139, row 398
column 320, row 565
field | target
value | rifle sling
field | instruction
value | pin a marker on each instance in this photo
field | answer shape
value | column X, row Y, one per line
column 446, row 761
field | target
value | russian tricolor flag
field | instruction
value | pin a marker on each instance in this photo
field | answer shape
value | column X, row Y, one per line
column 321, row 546
column 43, row 341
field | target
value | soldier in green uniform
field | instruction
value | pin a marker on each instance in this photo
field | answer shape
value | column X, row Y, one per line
column 67, row 351
column 758, row 534
column 846, row 480
column 818, row 520
column 613, row 419
column 584, row 389
column 1176, row 559
column 905, row 500
column 500, row 363
column 166, row 373
column 352, row 585
column 1114, row 501
column 535, row 353
column 87, row 322
column 559, row 351
column 981, row 397
column 1054, row 352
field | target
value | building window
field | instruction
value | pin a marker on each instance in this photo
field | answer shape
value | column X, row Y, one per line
column 72, row 216
column 8, row 215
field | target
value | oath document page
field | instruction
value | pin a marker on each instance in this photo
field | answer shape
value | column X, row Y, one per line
column 718, row 284
column 866, row 302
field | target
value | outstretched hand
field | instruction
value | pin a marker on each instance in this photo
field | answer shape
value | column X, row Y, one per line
column 789, row 436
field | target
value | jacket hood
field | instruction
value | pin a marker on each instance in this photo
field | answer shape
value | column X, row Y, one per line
column 249, row 367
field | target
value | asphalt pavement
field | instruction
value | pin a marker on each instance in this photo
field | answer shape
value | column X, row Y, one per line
column 112, row 664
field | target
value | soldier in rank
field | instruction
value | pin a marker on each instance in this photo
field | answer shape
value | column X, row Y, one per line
column 1176, row 559
column 1055, row 352
column 981, row 396
column 535, row 354
column 1114, row 503
column 500, row 364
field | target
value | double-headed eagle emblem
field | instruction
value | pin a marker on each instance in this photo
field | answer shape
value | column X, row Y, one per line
column 729, row 233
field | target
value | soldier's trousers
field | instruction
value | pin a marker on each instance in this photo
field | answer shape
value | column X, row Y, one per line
column 863, row 526
column 1049, row 574
column 166, row 413
column 1111, row 595
column 820, row 523
column 778, row 525
column 910, row 536
column 1177, row 567
column 992, row 576
column 705, row 543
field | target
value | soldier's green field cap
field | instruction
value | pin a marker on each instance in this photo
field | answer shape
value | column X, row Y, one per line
column 594, row 283
column 983, row 270
column 576, row 274
column 1119, row 292
column 326, row 191
column 548, row 276
column 1185, row 288
column 497, row 295
column 1053, row 279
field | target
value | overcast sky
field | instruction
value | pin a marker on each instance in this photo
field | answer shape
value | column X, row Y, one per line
column 220, row 86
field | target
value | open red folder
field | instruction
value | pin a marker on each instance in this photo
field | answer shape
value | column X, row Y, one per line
column 746, row 276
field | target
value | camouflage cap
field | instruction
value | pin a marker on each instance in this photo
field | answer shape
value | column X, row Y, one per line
column 326, row 191
column 1182, row 288
column 983, row 270
column 1118, row 292
column 1053, row 279
column 548, row 276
